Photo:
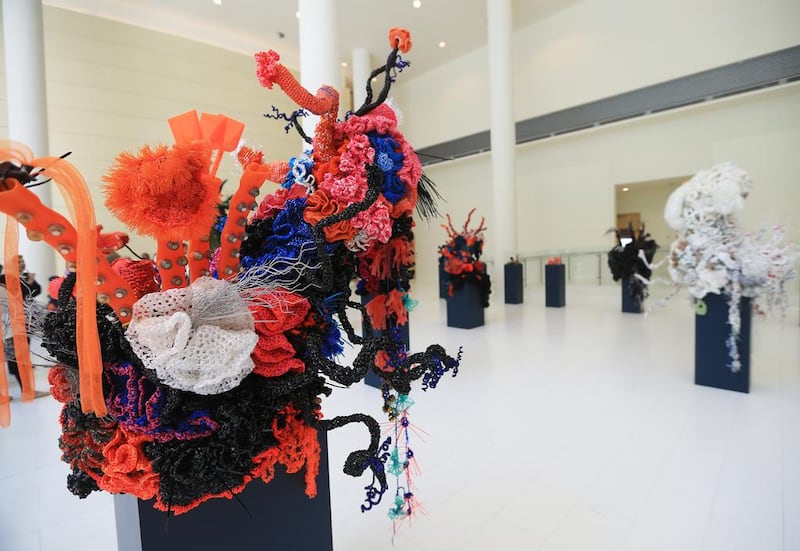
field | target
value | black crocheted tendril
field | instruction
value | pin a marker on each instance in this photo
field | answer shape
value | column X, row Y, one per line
column 360, row 460
column 375, row 492
column 369, row 105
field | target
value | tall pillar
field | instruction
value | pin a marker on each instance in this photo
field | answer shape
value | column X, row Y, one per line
column 362, row 67
column 503, row 228
column 23, row 43
column 319, row 49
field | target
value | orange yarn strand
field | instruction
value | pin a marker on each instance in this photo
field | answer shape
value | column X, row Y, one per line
column 79, row 203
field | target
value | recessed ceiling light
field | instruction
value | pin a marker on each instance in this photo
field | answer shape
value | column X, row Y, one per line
column 416, row 3
column 625, row 189
column 218, row 2
column 344, row 64
column 297, row 14
column 442, row 44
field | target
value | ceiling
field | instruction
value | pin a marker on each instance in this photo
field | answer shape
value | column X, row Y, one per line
column 248, row 26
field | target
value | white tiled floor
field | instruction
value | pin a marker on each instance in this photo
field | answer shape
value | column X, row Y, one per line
column 567, row 429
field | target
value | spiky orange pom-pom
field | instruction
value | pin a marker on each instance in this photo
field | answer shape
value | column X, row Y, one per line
column 165, row 192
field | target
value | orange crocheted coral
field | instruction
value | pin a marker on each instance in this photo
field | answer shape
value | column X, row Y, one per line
column 165, row 192
column 298, row 446
column 320, row 205
column 400, row 38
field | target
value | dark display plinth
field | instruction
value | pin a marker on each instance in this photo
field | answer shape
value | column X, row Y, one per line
column 444, row 282
column 513, row 283
column 265, row 517
column 629, row 304
column 555, row 285
column 465, row 307
column 711, row 357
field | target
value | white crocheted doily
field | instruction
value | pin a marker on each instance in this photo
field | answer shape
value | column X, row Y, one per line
column 197, row 338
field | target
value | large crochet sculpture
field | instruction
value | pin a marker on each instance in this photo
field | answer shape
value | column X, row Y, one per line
column 462, row 258
column 712, row 254
column 187, row 378
column 633, row 261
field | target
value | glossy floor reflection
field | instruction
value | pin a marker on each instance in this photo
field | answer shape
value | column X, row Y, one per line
column 567, row 429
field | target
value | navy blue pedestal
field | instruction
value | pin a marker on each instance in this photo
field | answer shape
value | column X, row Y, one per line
column 444, row 282
column 513, row 283
column 711, row 357
column 629, row 304
column 465, row 307
column 278, row 515
column 555, row 285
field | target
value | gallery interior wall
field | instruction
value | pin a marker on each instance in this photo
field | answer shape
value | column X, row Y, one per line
column 591, row 50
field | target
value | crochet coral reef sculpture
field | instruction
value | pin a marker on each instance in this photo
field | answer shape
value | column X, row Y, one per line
column 187, row 378
column 713, row 255
column 632, row 259
column 462, row 258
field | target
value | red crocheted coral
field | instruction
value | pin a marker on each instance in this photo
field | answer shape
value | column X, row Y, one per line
column 126, row 468
column 274, row 355
column 60, row 385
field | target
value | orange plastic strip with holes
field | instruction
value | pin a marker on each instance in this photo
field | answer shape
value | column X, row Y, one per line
column 249, row 185
column 199, row 256
column 171, row 264
column 16, row 311
column 44, row 224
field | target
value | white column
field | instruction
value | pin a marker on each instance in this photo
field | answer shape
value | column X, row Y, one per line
column 319, row 49
column 362, row 67
column 503, row 228
column 23, row 42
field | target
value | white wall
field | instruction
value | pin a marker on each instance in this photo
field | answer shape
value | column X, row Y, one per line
column 595, row 49
column 111, row 87
column 565, row 185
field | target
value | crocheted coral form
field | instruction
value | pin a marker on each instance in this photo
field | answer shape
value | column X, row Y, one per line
column 196, row 339
column 186, row 378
